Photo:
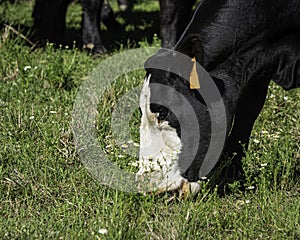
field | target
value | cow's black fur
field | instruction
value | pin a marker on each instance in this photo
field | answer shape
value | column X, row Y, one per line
column 243, row 44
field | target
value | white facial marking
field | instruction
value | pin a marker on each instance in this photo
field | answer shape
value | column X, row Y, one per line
column 159, row 147
column 159, row 142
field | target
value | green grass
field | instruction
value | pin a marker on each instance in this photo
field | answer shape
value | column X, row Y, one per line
column 46, row 192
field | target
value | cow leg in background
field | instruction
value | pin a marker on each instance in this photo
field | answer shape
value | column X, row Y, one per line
column 108, row 16
column 249, row 106
column 174, row 17
column 49, row 20
column 91, row 10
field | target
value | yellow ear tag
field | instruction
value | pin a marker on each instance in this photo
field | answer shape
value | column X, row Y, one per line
column 194, row 80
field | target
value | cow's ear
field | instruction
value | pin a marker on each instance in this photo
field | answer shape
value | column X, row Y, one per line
column 191, row 45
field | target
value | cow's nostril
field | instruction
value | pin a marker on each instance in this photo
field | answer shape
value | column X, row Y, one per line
column 161, row 112
column 162, row 115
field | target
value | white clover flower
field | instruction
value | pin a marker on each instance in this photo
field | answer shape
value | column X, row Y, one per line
column 27, row 68
column 103, row 231
column 242, row 202
column 134, row 164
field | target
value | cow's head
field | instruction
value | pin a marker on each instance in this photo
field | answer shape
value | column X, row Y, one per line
column 174, row 115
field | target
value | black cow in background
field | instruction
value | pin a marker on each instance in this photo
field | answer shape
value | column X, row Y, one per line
column 49, row 20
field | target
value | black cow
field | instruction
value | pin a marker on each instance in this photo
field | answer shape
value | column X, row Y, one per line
column 243, row 44
column 49, row 21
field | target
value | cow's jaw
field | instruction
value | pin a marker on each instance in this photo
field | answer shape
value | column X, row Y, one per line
column 160, row 147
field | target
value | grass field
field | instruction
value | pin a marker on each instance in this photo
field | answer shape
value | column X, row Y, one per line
column 47, row 193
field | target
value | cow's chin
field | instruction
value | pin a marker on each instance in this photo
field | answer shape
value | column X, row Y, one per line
column 159, row 150
column 159, row 147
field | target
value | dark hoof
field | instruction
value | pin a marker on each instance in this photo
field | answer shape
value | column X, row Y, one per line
column 95, row 50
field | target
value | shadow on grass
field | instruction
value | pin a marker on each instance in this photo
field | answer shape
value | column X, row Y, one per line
column 138, row 26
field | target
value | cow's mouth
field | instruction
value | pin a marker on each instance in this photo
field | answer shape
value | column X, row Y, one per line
column 160, row 147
